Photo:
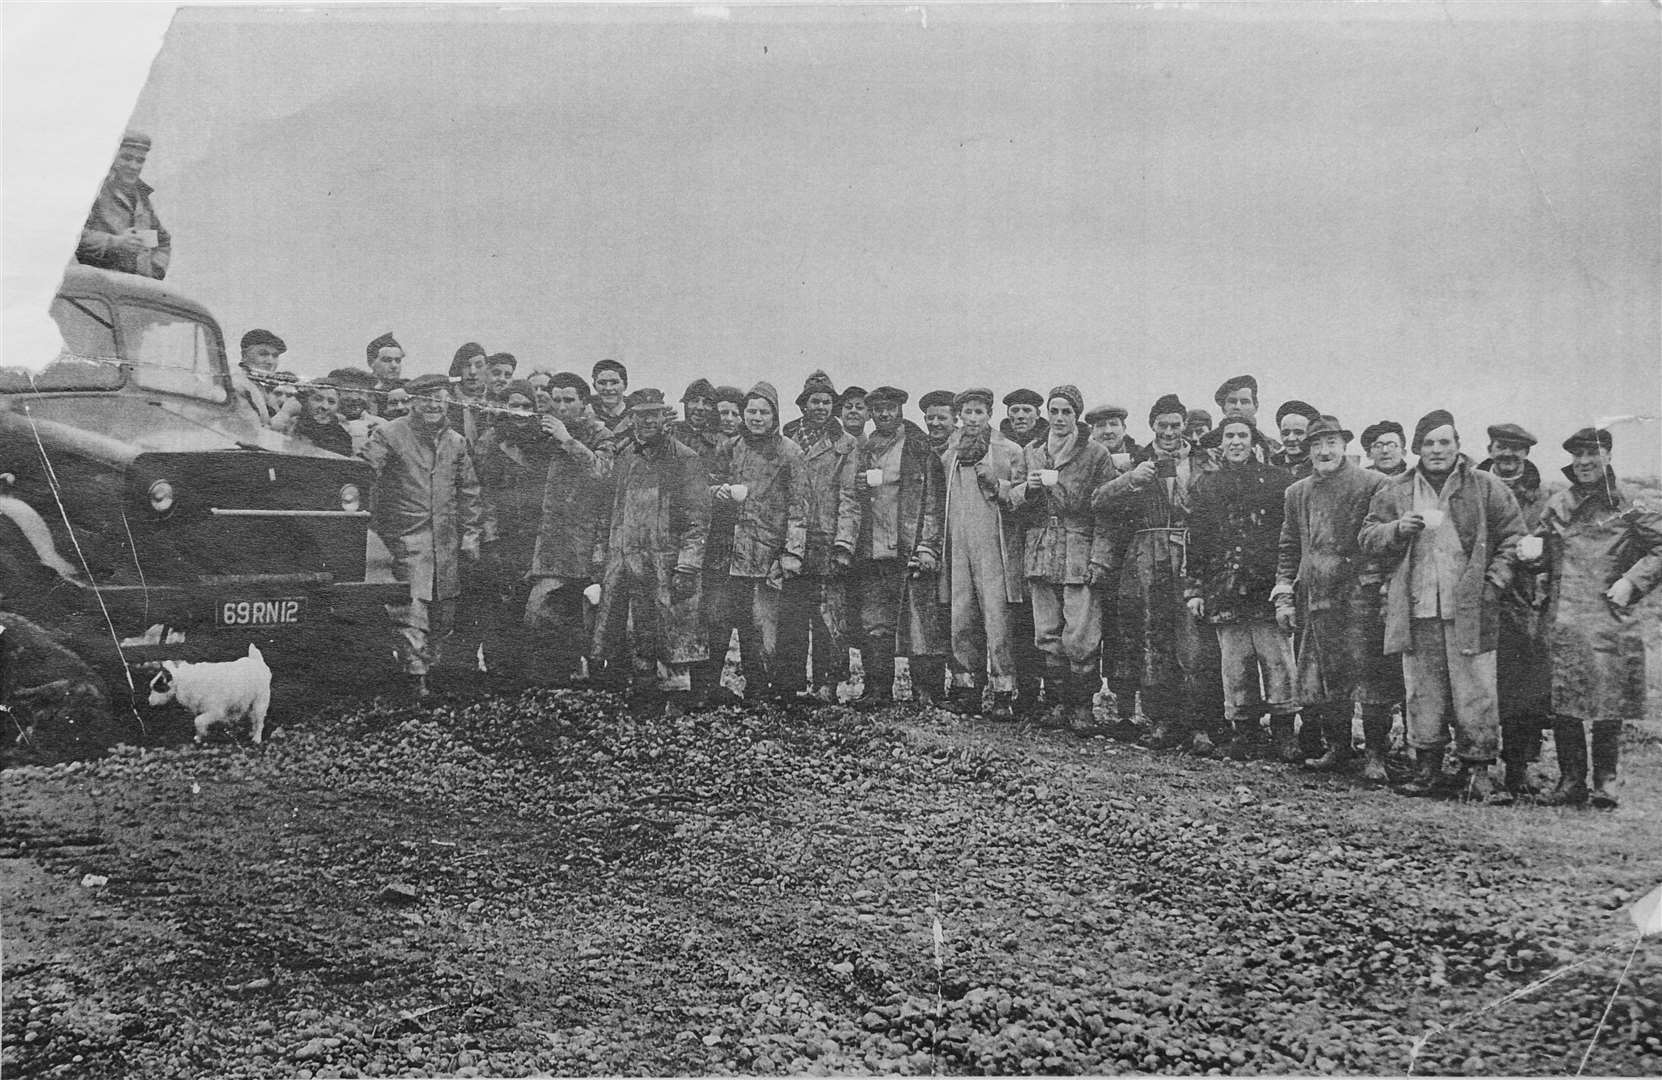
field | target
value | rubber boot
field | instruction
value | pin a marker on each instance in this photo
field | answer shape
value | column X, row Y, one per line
column 1606, row 749
column 1334, row 721
column 1082, row 710
column 1376, row 740
column 963, row 700
column 1060, row 690
column 1427, row 764
column 1311, row 745
column 1248, row 743
column 879, row 688
column 1286, row 748
column 1570, row 742
column 928, row 680
column 1003, row 705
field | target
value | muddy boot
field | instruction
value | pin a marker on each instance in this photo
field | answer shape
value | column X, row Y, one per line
column 1003, row 705
column 1570, row 743
column 1311, row 745
column 963, row 700
column 1058, row 697
column 1248, row 743
column 1334, row 722
column 1606, row 749
column 1165, row 735
column 879, row 688
column 1082, row 708
column 1477, row 786
column 928, row 680
column 1285, row 743
column 1376, row 740
column 1427, row 765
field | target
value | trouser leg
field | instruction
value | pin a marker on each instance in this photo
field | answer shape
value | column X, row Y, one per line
column 1476, row 706
column 1606, row 751
column 1029, row 661
column 553, row 617
column 881, row 587
column 1425, row 675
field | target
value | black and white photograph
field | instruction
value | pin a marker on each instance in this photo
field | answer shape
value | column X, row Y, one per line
column 559, row 539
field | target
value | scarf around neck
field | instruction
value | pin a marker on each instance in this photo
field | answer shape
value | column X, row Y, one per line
column 972, row 448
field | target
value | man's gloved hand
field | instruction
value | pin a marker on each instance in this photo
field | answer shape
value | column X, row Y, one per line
column 924, row 562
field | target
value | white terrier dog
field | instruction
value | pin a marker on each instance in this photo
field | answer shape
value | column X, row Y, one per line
column 217, row 693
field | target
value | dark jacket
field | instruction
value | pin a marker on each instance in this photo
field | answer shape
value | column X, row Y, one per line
column 1320, row 556
column 1234, row 533
column 574, row 512
column 773, row 519
column 833, row 513
column 1065, row 531
column 512, row 475
column 331, row 437
column 113, row 212
column 922, row 496
column 1487, row 520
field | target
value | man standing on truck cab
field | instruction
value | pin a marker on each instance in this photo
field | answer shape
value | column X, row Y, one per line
column 427, row 508
column 122, row 231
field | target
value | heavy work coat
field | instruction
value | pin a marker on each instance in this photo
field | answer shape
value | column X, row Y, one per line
column 1593, row 535
column 426, row 505
column 1066, row 533
column 1000, row 471
column 922, row 497
column 1148, row 546
column 1523, row 668
column 833, row 510
column 574, row 505
column 512, row 475
column 115, row 211
column 1487, row 520
column 672, row 476
column 773, row 519
column 1320, row 554
column 1234, row 532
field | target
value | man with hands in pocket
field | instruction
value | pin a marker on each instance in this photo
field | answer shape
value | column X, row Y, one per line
column 1446, row 534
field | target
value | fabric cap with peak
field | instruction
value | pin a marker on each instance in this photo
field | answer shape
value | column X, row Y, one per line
column 648, row 399
column 1430, row 422
column 1511, row 433
column 263, row 337
column 1169, row 403
column 385, row 341
column 1589, row 439
column 885, row 394
column 974, row 393
column 1070, row 393
column 1299, row 408
column 1231, row 385
column 1372, row 432
column 849, row 393
column 1024, row 396
column 945, row 397
column 1326, row 424
column 423, row 384
column 699, row 388
column 608, row 364
column 135, row 138
column 1106, row 412
column 817, row 383
column 730, row 394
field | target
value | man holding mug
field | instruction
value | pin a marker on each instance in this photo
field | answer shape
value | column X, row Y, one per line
column 122, row 230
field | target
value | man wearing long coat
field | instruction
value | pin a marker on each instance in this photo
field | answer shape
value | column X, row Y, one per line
column 829, row 455
column 654, row 558
column 1604, row 555
column 117, row 233
column 428, row 510
column 1446, row 534
column 898, row 551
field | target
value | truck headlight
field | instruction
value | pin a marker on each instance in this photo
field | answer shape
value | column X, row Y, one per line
column 349, row 497
column 161, row 496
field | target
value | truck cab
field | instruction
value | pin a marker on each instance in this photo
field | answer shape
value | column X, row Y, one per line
column 136, row 468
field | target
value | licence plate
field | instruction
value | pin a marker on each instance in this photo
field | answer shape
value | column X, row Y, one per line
column 277, row 611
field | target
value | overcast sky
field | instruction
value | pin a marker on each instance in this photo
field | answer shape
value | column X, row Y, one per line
column 1380, row 209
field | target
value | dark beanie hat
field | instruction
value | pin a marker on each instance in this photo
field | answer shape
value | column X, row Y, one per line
column 1384, row 427
column 1430, row 422
column 1589, row 439
column 1170, row 403
column 817, row 383
column 1511, row 433
column 730, row 394
column 1024, row 396
column 1301, row 408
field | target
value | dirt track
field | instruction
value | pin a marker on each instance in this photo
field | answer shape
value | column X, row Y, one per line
column 542, row 884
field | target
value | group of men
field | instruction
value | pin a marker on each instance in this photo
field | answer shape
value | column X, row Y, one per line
column 1222, row 589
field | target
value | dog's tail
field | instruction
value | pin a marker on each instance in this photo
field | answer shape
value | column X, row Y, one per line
column 254, row 653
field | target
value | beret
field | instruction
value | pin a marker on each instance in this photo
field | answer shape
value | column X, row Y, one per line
column 1511, row 433
column 945, row 397
column 1430, row 422
column 1231, row 385
column 1170, row 403
column 385, row 341
column 1296, row 407
column 1385, row 427
column 263, row 337
column 1589, row 439
column 1024, row 396
column 352, row 378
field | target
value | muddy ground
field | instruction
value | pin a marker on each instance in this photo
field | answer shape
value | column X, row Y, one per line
column 538, row 883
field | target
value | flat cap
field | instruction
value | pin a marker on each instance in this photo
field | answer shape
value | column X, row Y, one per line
column 1511, row 433
column 351, row 378
column 1024, row 396
column 1106, row 412
column 1296, row 407
column 885, row 394
column 946, row 397
column 1589, row 439
column 975, row 393
column 608, row 364
column 424, row 384
column 648, row 399
column 263, row 337
column 1229, row 386
column 135, row 138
